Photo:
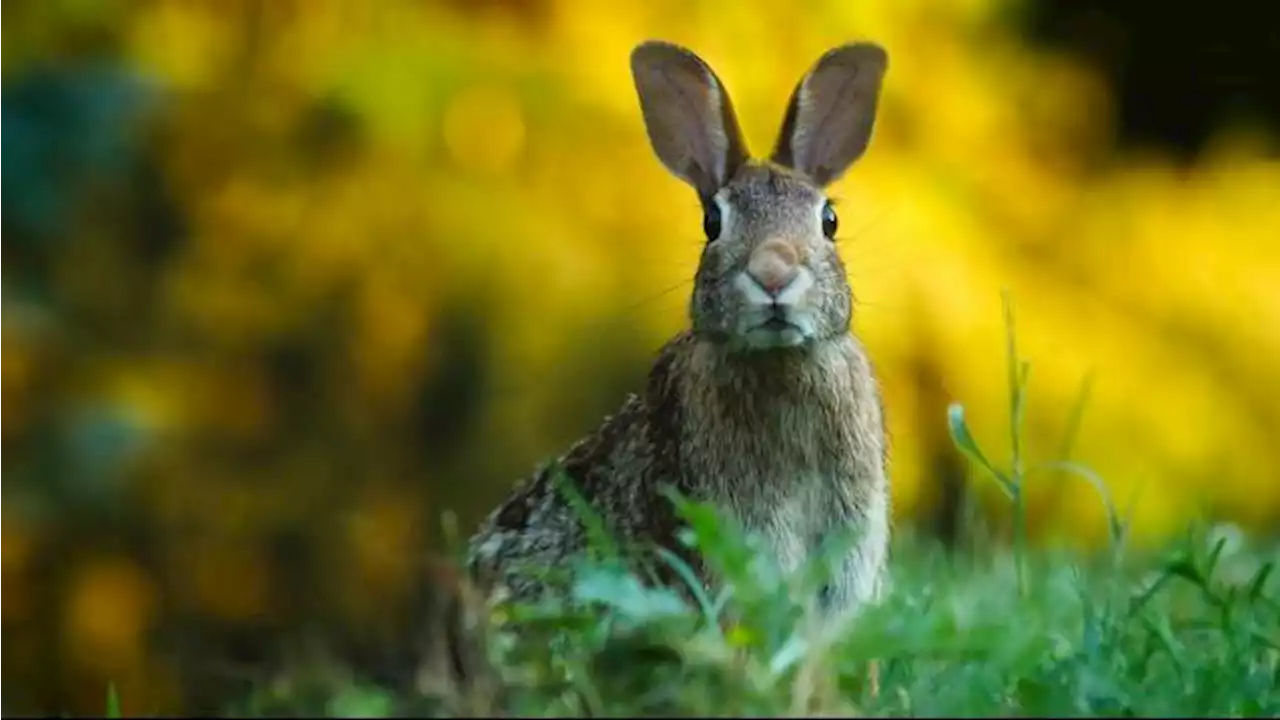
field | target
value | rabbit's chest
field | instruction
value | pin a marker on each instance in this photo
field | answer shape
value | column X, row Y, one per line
column 794, row 515
column 787, row 491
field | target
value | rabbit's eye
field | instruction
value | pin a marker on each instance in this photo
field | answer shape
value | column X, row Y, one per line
column 711, row 221
column 829, row 221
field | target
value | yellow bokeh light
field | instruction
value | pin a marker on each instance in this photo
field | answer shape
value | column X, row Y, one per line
column 108, row 610
column 484, row 129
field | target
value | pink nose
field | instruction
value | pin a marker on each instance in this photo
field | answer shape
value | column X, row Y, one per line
column 773, row 265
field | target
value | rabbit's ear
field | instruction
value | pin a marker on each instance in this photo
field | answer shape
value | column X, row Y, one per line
column 829, row 119
column 688, row 116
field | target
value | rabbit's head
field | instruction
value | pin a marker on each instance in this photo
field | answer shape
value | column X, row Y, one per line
column 769, row 276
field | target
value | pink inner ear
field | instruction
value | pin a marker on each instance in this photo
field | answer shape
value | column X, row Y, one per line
column 803, row 139
column 688, row 116
column 832, row 111
column 716, row 137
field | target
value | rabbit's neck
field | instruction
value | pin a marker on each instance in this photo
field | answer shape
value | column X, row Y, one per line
column 763, row 422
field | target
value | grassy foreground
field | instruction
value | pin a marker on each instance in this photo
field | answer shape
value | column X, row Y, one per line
column 1194, row 632
column 996, row 630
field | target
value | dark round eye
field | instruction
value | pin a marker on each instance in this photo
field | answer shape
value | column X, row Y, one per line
column 711, row 221
column 829, row 221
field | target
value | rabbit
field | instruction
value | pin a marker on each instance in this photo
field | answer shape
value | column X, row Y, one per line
column 767, row 406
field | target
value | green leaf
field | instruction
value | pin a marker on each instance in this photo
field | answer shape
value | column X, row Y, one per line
column 963, row 439
column 690, row 578
column 1259, row 581
column 718, row 537
column 788, row 655
column 1185, row 569
column 360, row 702
column 1214, row 556
column 622, row 591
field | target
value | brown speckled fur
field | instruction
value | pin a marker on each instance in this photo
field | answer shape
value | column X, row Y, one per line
column 790, row 440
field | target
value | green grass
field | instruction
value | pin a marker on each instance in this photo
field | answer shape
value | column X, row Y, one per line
column 1193, row 630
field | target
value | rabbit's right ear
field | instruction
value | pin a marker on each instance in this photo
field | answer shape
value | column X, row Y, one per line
column 831, row 113
column 688, row 116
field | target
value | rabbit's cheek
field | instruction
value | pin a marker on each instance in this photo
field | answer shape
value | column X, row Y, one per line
column 712, row 308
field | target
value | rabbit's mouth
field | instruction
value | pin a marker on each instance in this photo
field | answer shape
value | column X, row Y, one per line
column 773, row 319
column 779, row 328
column 777, row 324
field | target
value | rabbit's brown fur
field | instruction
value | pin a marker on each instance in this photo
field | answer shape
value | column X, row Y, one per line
column 777, row 422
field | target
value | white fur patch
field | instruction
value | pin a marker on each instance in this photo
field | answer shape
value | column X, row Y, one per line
column 727, row 219
column 760, row 307
column 793, row 294
column 751, row 290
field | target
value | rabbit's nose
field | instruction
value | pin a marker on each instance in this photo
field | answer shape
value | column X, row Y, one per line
column 774, row 265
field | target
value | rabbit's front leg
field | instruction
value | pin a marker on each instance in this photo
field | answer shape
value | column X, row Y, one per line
column 860, row 578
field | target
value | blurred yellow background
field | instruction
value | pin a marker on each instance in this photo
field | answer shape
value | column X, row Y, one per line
column 333, row 268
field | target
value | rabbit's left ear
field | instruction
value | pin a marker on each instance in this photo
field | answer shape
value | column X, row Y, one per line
column 829, row 119
column 688, row 116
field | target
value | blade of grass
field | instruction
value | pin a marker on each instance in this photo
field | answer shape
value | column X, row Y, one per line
column 1019, row 372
